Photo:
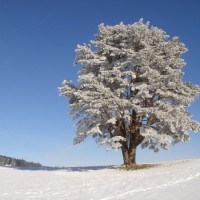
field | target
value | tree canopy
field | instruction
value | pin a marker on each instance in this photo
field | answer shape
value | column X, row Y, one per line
column 131, row 90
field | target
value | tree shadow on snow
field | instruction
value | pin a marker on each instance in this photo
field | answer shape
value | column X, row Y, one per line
column 68, row 169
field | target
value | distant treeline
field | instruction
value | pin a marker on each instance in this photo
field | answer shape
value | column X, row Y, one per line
column 13, row 162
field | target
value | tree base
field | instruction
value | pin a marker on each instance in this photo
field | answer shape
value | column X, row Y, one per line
column 136, row 166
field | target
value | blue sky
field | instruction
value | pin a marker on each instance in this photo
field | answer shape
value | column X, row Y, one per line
column 37, row 43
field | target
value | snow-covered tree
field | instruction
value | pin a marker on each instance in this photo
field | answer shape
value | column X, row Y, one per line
column 130, row 90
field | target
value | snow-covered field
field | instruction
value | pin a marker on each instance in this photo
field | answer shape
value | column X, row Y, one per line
column 178, row 180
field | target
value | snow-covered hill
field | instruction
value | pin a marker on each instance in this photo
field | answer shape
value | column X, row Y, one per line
column 178, row 180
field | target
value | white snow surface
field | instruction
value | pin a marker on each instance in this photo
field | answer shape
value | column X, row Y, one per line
column 178, row 180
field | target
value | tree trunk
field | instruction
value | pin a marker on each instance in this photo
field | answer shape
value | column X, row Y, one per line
column 129, row 146
column 132, row 156
column 129, row 156
column 129, row 151
column 125, row 156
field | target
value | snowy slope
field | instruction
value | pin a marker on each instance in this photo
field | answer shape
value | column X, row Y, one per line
column 178, row 180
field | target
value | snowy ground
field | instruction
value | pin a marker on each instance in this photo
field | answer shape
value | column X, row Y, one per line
column 178, row 180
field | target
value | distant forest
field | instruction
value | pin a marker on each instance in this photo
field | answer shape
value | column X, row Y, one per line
column 13, row 162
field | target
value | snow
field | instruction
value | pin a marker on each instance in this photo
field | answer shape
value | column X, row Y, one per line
column 178, row 180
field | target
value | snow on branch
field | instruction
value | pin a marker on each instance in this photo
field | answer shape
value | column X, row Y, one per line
column 131, row 88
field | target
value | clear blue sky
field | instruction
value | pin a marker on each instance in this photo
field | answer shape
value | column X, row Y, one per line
column 37, row 43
